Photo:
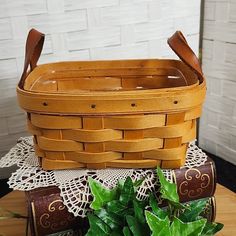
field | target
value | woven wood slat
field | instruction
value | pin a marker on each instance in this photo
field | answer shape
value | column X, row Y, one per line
column 60, row 164
column 85, row 135
column 134, row 163
column 135, row 145
column 56, row 122
column 169, row 131
column 191, row 135
column 166, row 154
column 58, row 145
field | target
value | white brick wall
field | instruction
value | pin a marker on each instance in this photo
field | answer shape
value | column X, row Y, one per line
column 84, row 30
column 218, row 123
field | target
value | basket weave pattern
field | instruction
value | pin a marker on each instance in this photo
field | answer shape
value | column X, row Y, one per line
column 125, row 114
column 119, row 141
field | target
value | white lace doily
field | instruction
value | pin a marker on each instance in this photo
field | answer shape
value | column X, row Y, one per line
column 73, row 184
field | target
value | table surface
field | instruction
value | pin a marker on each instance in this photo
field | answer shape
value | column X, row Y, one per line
column 15, row 201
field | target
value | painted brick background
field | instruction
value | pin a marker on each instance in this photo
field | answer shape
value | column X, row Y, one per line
column 84, row 30
column 218, row 123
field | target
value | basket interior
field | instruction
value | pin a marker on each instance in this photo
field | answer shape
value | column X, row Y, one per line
column 62, row 79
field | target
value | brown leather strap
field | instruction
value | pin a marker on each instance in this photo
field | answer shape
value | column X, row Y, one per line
column 34, row 46
column 177, row 42
column 180, row 46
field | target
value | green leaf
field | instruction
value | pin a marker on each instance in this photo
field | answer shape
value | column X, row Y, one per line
column 134, row 226
column 89, row 233
column 178, row 205
column 139, row 207
column 195, row 208
column 127, row 192
column 139, row 211
column 137, row 183
column 179, row 228
column 100, row 194
column 120, row 184
column 126, row 231
column 115, row 233
column 112, row 220
column 97, row 226
column 119, row 209
column 165, row 231
column 156, row 210
column 212, row 228
column 168, row 190
column 159, row 227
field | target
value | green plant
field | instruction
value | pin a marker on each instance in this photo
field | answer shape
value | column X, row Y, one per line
column 178, row 219
column 117, row 212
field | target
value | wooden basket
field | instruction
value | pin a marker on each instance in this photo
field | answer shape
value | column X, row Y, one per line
column 126, row 113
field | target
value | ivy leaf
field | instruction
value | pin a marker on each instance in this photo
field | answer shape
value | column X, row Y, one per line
column 120, row 184
column 156, row 210
column 159, row 227
column 134, row 225
column 178, row 205
column 100, row 194
column 127, row 192
column 137, row 183
column 126, row 231
column 97, row 226
column 115, row 233
column 112, row 220
column 139, row 211
column 139, row 215
column 164, row 232
column 117, row 208
column 168, row 190
column 195, row 228
column 89, row 233
column 195, row 208
column 211, row 228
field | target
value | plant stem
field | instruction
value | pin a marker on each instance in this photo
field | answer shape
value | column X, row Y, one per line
column 175, row 212
column 170, row 211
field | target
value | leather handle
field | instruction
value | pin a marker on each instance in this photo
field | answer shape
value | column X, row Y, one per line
column 179, row 45
column 33, row 49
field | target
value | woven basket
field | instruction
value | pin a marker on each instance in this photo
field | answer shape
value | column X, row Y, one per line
column 98, row 114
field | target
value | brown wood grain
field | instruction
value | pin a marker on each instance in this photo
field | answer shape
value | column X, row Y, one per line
column 226, row 210
column 14, row 201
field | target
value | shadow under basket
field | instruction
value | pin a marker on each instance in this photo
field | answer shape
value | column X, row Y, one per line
column 100, row 114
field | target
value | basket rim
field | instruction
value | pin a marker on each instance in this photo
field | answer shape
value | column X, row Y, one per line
column 39, row 71
column 114, row 102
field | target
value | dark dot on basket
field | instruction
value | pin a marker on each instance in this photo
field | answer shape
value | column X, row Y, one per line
column 93, row 106
column 175, row 102
column 45, row 104
column 133, row 105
